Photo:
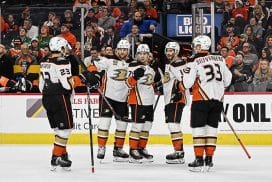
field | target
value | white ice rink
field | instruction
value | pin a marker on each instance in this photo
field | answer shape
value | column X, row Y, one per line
column 30, row 163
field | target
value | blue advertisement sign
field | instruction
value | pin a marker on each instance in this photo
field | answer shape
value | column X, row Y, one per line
column 181, row 25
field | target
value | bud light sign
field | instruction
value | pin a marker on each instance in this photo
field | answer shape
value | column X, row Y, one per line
column 181, row 25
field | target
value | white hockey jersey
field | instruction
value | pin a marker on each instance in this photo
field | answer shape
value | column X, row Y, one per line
column 174, row 73
column 55, row 76
column 209, row 75
column 116, row 71
column 142, row 92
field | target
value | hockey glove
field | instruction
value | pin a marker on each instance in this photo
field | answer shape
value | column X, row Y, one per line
column 176, row 94
column 90, row 78
column 138, row 73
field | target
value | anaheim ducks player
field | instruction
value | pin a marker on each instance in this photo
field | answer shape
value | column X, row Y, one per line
column 116, row 91
column 208, row 76
column 175, row 98
column 56, row 86
column 141, row 99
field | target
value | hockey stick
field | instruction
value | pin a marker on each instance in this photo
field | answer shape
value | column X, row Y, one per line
column 237, row 137
column 104, row 97
column 158, row 98
column 90, row 126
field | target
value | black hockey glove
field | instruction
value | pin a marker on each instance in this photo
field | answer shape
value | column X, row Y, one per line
column 138, row 73
column 176, row 94
column 90, row 78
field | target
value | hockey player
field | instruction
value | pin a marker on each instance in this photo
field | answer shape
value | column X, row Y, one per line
column 175, row 98
column 141, row 99
column 208, row 76
column 116, row 91
column 56, row 86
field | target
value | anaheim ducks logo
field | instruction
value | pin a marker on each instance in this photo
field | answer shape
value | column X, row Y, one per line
column 149, row 80
column 166, row 77
column 119, row 75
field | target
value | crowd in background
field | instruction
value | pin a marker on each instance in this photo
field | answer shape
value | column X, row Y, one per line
column 245, row 40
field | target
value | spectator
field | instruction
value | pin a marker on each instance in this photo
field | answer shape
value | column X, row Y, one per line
column 242, row 39
column 257, row 33
column 250, row 59
column 240, row 11
column 67, row 35
column 145, row 26
column 262, row 76
column 108, row 52
column 25, row 16
column 35, row 49
column 91, row 39
column 32, row 31
column 259, row 15
column 25, row 56
column 250, row 36
column 106, row 21
column 44, row 37
column 13, row 26
column 6, row 64
column 268, row 44
column 90, row 17
column 49, row 21
column 111, row 38
column 228, row 59
column 69, row 20
column 23, row 36
column 230, row 37
column 150, row 13
column 236, row 28
column 15, row 51
column 3, row 25
column 241, row 75
column 134, row 39
column 55, row 29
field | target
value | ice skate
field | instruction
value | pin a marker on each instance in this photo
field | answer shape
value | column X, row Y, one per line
column 101, row 152
column 120, row 155
column 197, row 165
column 135, row 156
column 147, row 157
column 176, row 157
column 208, row 163
column 62, row 161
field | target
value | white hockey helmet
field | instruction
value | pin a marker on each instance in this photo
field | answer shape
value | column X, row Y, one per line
column 172, row 45
column 204, row 41
column 58, row 44
column 143, row 48
column 123, row 44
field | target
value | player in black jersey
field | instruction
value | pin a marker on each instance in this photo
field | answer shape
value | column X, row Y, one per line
column 56, row 85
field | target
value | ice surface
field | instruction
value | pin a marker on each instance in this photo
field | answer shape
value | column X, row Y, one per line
column 31, row 163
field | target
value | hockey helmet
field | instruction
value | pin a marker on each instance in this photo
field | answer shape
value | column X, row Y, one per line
column 58, row 44
column 143, row 48
column 123, row 44
column 172, row 45
column 204, row 41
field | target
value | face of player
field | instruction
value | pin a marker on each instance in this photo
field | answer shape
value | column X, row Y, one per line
column 170, row 54
column 143, row 57
column 122, row 53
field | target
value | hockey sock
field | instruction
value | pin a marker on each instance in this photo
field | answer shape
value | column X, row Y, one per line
column 143, row 139
column 103, row 131
column 176, row 136
column 210, row 145
column 102, row 137
column 134, row 135
column 177, row 140
column 59, row 145
column 199, row 145
column 120, row 133
column 134, row 139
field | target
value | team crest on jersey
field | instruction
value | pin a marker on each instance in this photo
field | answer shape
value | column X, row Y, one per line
column 148, row 79
column 120, row 75
column 166, row 77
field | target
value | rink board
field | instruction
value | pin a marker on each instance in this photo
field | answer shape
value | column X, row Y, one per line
column 23, row 120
